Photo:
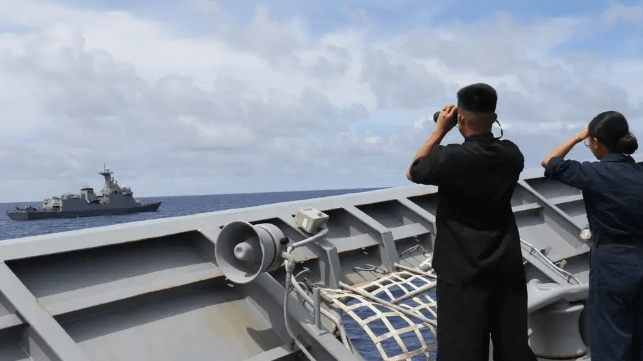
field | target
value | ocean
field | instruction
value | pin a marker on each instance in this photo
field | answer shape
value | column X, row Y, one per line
column 185, row 205
column 171, row 207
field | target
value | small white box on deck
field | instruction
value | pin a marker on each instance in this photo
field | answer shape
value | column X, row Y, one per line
column 310, row 219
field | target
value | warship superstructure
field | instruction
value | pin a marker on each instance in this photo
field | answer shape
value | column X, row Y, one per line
column 113, row 200
column 212, row 286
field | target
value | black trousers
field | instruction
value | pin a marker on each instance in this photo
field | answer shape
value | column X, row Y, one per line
column 469, row 314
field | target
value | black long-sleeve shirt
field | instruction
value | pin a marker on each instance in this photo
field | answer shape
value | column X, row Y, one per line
column 477, row 240
column 612, row 190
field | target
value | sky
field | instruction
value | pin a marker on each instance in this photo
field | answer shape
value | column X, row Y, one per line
column 209, row 97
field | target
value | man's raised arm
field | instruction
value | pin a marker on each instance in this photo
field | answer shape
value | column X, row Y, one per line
column 441, row 129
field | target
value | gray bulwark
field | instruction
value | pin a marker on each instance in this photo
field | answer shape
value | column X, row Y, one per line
column 152, row 290
column 112, row 200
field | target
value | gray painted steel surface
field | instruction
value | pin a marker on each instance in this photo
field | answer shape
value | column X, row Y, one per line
column 152, row 290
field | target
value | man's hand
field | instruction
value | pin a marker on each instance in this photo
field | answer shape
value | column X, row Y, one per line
column 445, row 120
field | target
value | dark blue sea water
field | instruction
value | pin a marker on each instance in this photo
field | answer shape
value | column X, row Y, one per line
column 185, row 205
column 171, row 207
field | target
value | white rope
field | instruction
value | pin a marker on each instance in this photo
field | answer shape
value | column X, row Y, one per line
column 404, row 280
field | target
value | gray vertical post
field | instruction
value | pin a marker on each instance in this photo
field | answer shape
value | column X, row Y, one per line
column 316, row 307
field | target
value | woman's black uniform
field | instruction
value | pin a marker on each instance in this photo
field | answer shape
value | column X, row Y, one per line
column 613, row 194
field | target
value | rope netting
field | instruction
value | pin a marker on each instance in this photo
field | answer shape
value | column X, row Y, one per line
column 396, row 336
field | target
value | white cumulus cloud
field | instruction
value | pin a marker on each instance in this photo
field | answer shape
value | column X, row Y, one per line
column 271, row 103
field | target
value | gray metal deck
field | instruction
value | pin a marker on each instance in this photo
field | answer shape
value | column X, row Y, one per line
column 152, row 290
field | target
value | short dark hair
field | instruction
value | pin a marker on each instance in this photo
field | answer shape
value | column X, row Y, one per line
column 478, row 97
column 611, row 129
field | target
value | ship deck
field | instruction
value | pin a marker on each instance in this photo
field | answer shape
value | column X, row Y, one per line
column 152, row 290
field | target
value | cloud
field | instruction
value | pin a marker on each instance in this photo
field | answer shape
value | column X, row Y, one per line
column 618, row 12
column 274, row 42
column 422, row 122
column 267, row 103
column 356, row 15
column 495, row 45
column 406, row 84
column 332, row 66
column 204, row 7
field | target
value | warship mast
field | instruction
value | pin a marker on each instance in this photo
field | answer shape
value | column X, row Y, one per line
column 107, row 188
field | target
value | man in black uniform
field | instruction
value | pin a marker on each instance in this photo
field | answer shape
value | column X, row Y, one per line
column 481, row 289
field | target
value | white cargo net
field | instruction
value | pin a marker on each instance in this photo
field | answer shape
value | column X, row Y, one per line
column 399, row 328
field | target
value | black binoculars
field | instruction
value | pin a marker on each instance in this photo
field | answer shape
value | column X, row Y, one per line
column 455, row 117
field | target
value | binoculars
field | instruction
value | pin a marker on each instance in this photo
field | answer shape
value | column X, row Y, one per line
column 455, row 117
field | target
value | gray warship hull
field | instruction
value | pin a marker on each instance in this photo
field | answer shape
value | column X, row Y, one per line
column 154, row 290
column 33, row 215
column 113, row 200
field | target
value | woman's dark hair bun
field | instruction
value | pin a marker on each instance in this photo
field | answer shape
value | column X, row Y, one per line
column 628, row 144
column 611, row 129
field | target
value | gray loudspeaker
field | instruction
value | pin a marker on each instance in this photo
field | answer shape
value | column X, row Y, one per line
column 243, row 251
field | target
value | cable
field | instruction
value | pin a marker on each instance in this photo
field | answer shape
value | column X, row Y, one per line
column 290, row 267
column 330, row 316
column 547, row 261
column 322, row 233
column 413, row 248
column 415, row 270
column 370, row 268
column 305, row 270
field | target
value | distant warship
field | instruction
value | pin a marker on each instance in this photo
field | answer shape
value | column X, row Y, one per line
column 113, row 200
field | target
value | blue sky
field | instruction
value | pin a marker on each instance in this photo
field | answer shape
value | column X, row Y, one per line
column 206, row 97
column 389, row 16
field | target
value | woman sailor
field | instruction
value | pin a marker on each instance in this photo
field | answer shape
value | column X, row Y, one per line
column 613, row 193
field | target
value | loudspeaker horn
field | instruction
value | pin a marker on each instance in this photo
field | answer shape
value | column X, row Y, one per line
column 242, row 250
